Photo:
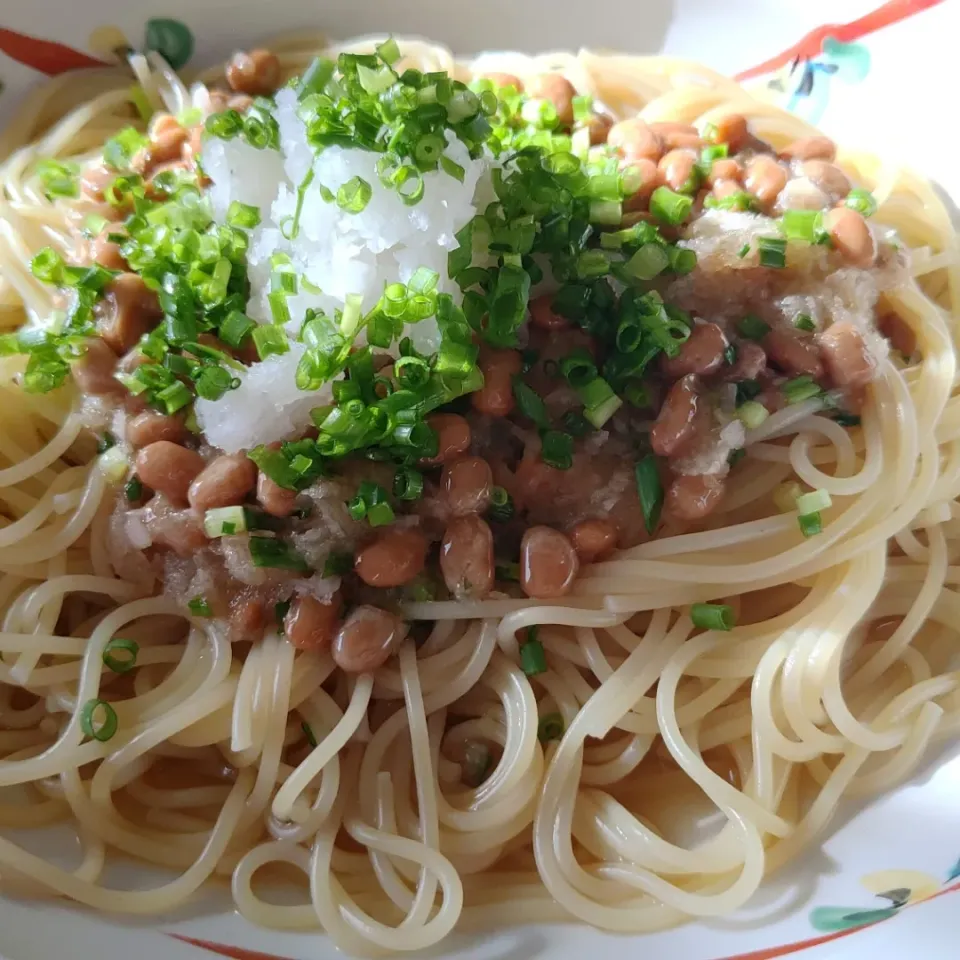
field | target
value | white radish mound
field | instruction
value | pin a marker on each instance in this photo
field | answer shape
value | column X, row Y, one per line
column 337, row 252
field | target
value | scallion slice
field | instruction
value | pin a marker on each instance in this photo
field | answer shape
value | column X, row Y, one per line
column 814, row 502
column 712, row 616
column 501, row 505
column 862, row 201
column 803, row 321
column 773, row 251
column 276, row 554
column 799, row 389
column 751, row 414
column 124, row 663
column 224, row 522
column 533, row 660
column 650, row 491
column 752, row 327
column 557, row 449
column 98, row 720
column 810, row 524
column 550, row 727
column 199, row 607
column 670, row 207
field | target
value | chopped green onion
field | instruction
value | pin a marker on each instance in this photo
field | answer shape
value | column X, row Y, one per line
column 773, row 251
column 98, row 720
column 650, row 491
column 501, row 505
column 557, row 450
column 810, row 524
column 752, row 327
column 530, row 403
column 338, row 563
column 670, row 207
column 308, row 733
column 243, row 215
column 730, row 354
column 275, row 554
column 408, row 484
column 847, row 419
column 508, row 572
column 199, row 607
column 224, row 521
column 862, row 201
column 354, row 195
column 175, row 397
column 712, row 616
column 601, row 412
column 124, row 663
column 650, row 260
column 799, row 389
column 683, row 260
column 114, row 464
column 269, row 340
column 814, row 502
column 133, row 491
column 576, row 424
column 735, row 456
column 59, row 178
column 744, row 250
column 805, row 225
column 751, row 414
column 550, row 727
column 803, row 321
column 533, row 661
column 380, row 514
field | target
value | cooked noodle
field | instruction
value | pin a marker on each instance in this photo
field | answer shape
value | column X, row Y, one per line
column 841, row 674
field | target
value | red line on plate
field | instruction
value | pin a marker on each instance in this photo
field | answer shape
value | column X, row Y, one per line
column 891, row 12
column 785, row 949
column 225, row 950
column 46, row 56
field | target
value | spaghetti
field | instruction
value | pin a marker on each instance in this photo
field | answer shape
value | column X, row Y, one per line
column 232, row 759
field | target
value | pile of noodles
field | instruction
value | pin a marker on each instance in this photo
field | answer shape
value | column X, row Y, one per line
column 691, row 765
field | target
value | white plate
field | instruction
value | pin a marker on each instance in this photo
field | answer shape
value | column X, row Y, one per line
column 897, row 62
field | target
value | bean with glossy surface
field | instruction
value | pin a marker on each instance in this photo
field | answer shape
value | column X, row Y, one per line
column 810, row 148
column 495, row 398
column 453, row 437
column 466, row 484
column 256, row 73
column 558, row 90
column 169, row 469
column 827, row 176
column 793, row 353
column 93, row 371
column 466, row 558
column 548, row 563
column 129, row 310
column 851, row 235
column 731, row 129
column 726, row 168
column 396, row 557
column 224, row 482
column 675, row 426
column 702, row 353
column 678, row 169
column 765, row 178
column 594, row 539
column 151, row 426
column 677, row 135
column 634, row 140
column 845, row 355
column 311, row 624
column 275, row 500
column 693, row 497
column 367, row 639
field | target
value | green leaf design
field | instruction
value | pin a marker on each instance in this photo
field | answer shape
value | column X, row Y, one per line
column 853, row 59
column 954, row 873
column 834, row 919
column 171, row 39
